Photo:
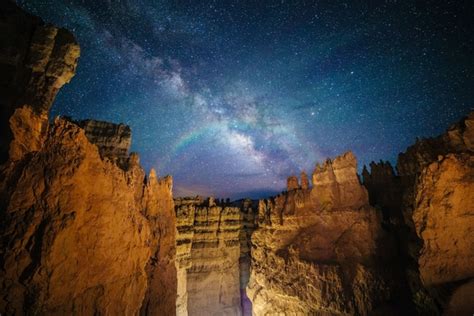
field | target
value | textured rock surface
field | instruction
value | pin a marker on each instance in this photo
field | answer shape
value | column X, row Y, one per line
column 113, row 140
column 208, row 248
column 336, row 184
column 316, row 251
column 36, row 60
column 444, row 219
column 385, row 190
column 429, row 207
column 78, row 235
column 436, row 177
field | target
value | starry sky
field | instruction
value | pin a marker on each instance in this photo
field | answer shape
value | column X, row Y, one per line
column 231, row 97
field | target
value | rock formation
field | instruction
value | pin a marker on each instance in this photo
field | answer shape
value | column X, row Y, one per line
column 318, row 251
column 113, row 140
column 336, row 184
column 85, row 231
column 36, row 60
column 208, row 252
column 430, row 208
column 304, row 181
column 79, row 235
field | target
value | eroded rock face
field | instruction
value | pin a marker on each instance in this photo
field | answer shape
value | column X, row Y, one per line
column 444, row 219
column 336, row 184
column 113, row 140
column 316, row 251
column 385, row 190
column 79, row 234
column 209, row 250
column 431, row 200
column 36, row 60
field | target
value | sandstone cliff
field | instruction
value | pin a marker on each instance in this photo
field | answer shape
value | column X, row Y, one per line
column 208, row 252
column 36, row 60
column 317, row 251
column 429, row 207
column 79, row 234
column 113, row 140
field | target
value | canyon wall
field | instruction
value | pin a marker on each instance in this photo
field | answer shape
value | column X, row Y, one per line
column 321, row 250
column 208, row 252
column 429, row 205
column 80, row 232
column 405, row 247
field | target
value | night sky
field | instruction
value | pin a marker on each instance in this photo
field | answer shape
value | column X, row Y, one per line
column 231, row 97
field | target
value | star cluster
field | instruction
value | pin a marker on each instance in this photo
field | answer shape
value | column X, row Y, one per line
column 231, row 97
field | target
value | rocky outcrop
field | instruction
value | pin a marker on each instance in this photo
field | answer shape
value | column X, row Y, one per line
column 430, row 208
column 292, row 183
column 336, row 184
column 439, row 208
column 72, row 218
column 79, row 234
column 113, row 140
column 209, row 250
column 36, row 60
column 317, row 251
column 444, row 219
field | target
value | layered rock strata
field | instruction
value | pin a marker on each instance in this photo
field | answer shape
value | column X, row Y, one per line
column 113, row 140
column 79, row 234
column 317, row 250
column 208, row 249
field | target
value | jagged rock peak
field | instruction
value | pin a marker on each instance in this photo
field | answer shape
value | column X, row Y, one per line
column 337, row 185
column 459, row 138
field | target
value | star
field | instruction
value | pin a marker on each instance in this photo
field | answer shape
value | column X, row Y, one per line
column 232, row 99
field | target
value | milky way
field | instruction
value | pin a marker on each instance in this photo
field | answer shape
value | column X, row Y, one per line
column 232, row 97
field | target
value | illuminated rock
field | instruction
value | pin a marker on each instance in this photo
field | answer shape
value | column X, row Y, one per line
column 208, row 252
column 428, row 206
column 444, row 219
column 336, row 184
column 72, row 218
column 79, row 235
column 317, row 251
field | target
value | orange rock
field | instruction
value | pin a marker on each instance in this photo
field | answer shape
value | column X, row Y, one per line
column 317, row 252
column 444, row 219
column 80, row 234
column 336, row 184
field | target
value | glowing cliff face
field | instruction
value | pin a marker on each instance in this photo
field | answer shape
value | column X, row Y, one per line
column 232, row 98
